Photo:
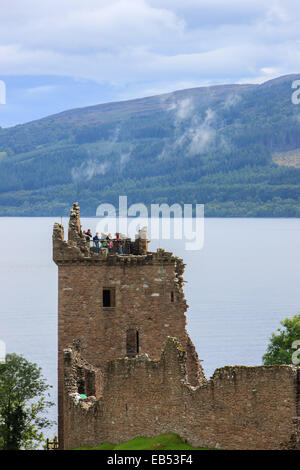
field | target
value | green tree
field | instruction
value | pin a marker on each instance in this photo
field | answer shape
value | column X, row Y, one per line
column 23, row 403
column 280, row 349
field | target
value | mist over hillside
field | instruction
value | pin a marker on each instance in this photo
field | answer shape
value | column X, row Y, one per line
column 234, row 148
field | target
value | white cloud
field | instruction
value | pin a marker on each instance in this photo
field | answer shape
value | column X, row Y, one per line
column 42, row 89
column 203, row 135
column 198, row 135
column 183, row 109
column 88, row 169
column 96, row 26
column 147, row 45
column 232, row 100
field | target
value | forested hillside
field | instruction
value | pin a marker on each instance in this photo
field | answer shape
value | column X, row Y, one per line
column 234, row 148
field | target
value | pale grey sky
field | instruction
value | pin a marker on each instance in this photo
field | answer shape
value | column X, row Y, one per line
column 58, row 54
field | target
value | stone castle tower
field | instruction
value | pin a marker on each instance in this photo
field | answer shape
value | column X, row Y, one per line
column 127, row 367
column 117, row 306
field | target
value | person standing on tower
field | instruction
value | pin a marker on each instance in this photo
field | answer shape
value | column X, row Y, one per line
column 89, row 235
column 118, row 243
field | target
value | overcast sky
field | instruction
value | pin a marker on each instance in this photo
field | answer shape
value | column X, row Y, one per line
column 61, row 54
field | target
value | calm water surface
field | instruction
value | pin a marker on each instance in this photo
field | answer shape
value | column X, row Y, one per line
column 239, row 286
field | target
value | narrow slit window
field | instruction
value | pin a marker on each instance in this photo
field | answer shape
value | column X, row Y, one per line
column 132, row 343
column 81, row 386
column 172, row 296
column 108, row 297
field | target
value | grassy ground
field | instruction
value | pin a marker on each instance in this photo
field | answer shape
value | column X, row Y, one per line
column 162, row 442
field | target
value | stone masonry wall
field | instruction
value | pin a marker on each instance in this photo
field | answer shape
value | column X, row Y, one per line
column 142, row 299
column 148, row 298
column 162, row 389
column 239, row 408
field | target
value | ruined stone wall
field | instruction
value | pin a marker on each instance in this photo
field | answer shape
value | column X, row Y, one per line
column 147, row 297
column 147, row 294
column 143, row 302
column 165, row 391
column 239, row 408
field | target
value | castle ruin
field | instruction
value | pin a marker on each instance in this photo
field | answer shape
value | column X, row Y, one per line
column 124, row 348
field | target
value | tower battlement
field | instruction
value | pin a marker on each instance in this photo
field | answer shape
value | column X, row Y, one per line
column 77, row 248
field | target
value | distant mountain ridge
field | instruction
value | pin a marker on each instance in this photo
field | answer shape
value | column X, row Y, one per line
column 234, row 148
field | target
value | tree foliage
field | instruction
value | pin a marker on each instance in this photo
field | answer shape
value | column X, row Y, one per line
column 23, row 403
column 280, row 349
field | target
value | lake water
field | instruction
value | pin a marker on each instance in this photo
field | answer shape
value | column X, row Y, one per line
column 239, row 286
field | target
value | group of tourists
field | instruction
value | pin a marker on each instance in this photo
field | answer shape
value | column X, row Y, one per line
column 105, row 241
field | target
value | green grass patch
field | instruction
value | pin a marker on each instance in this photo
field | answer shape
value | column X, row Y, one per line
column 162, row 442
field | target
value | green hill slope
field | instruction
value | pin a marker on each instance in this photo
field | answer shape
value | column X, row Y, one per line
column 213, row 145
